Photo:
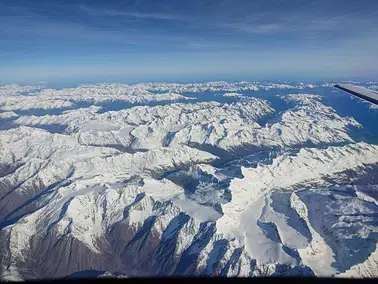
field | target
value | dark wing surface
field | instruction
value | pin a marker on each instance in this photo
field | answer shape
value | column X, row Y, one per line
column 361, row 92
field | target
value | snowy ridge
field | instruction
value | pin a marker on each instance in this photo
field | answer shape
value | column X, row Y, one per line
column 8, row 114
column 220, row 86
column 249, row 192
column 66, row 99
column 10, row 90
column 225, row 126
column 200, row 188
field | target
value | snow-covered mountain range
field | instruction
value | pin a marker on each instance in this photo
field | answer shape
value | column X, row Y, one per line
column 149, row 179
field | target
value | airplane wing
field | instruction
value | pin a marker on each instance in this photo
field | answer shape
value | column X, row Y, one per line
column 361, row 92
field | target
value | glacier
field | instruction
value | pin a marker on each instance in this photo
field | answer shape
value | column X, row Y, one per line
column 241, row 179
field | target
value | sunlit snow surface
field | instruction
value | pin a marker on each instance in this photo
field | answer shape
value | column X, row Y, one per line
column 218, row 178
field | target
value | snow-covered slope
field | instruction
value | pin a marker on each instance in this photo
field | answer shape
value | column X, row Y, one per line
column 47, row 99
column 199, row 188
column 225, row 126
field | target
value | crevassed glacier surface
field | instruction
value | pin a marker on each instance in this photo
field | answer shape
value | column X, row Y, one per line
column 211, row 179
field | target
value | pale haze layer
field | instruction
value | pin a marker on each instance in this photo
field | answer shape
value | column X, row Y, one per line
column 130, row 41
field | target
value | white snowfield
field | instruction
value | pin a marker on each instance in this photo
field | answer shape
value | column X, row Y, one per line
column 285, row 173
column 9, row 90
column 173, row 189
column 38, row 97
column 225, row 126
column 92, row 94
column 221, row 86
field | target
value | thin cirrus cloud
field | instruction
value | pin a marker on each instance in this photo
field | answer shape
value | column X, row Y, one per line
column 249, row 38
column 256, row 23
column 132, row 14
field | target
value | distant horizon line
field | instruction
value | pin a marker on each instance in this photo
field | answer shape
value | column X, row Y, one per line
column 136, row 82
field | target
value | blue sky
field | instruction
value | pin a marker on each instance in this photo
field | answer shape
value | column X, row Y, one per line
column 198, row 40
